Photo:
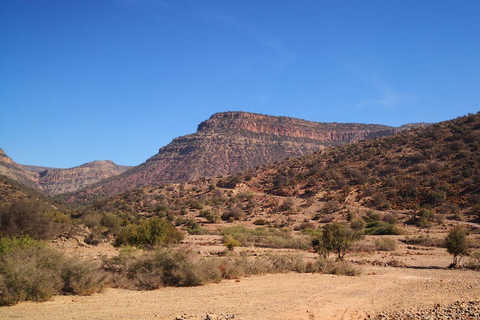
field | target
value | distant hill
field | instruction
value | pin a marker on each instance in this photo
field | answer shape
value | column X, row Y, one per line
column 57, row 181
column 231, row 142
column 54, row 181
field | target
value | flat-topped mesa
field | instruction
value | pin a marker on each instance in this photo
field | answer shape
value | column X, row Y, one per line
column 296, row 128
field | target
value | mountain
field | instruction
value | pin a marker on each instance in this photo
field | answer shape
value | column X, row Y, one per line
column 420, row 176
column 231, row 142
column 16, row 172
column 57, row 181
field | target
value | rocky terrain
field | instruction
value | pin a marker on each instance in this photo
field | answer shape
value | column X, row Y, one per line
column 232, row 142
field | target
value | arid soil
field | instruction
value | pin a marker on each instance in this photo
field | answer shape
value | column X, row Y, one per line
column 423, row 283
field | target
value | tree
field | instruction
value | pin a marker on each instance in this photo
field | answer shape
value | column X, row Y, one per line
column 457, row 244
column 335, row 238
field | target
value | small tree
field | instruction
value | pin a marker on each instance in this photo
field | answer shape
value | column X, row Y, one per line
column 335, row 238
column 457, row 244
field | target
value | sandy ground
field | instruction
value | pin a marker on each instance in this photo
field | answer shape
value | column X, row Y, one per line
column 284, row 296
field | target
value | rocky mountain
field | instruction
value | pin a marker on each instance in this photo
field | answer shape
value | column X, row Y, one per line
column 16, row 172
column 54, row 181
column 231, row 142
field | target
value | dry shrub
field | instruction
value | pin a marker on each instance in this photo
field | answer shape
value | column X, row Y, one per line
column 42, row 273
column 181, row 267
column 473, row 261
column 340, row 267
column 266, row 237
column 386, row 244
column 426, row 241
column 161, row 267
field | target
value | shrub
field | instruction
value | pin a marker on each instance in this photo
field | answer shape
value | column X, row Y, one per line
column 386, row 244
column 161, row 267
column 235, row 213
column 230, row 243
column 335, row 238
column 266, row 237
column 42, row 273
column 382, row 228
column 148, row 233
column 358, row 224
column 457, row 244
column 210, row 215
column 27, row 218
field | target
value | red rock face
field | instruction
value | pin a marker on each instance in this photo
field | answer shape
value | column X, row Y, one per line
column 296, row 128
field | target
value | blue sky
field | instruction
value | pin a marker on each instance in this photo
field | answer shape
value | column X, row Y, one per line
column 118, row 79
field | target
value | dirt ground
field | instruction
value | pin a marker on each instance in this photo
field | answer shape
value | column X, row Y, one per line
column 424, row 281
column 284, row 296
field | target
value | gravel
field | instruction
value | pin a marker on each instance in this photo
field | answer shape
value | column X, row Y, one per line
column 465, row 310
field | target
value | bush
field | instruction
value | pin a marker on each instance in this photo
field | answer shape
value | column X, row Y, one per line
column 42, row 273
column 266, row 237
column 27, row 218
column 161, row 267
column 210, row 215
column 149, row 233
column 230, row 243
column 382, row 228
column 235, row 213
column 386, row 244
column 335, row 238
column 457, row 244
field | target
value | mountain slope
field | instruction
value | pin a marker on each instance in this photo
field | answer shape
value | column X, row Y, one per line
column 16, row 172
column 231, row 142
column 436, row 167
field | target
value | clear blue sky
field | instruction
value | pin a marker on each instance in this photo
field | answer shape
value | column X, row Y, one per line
column 91, row 80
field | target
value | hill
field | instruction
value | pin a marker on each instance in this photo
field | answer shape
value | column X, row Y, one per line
column 437, row 166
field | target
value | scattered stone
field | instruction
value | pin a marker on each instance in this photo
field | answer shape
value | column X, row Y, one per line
column 465, row 310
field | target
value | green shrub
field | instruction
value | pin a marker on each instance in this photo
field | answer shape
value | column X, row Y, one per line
column 335, row 238
column 149, row 233
column 382, row 228
column 457, row 244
